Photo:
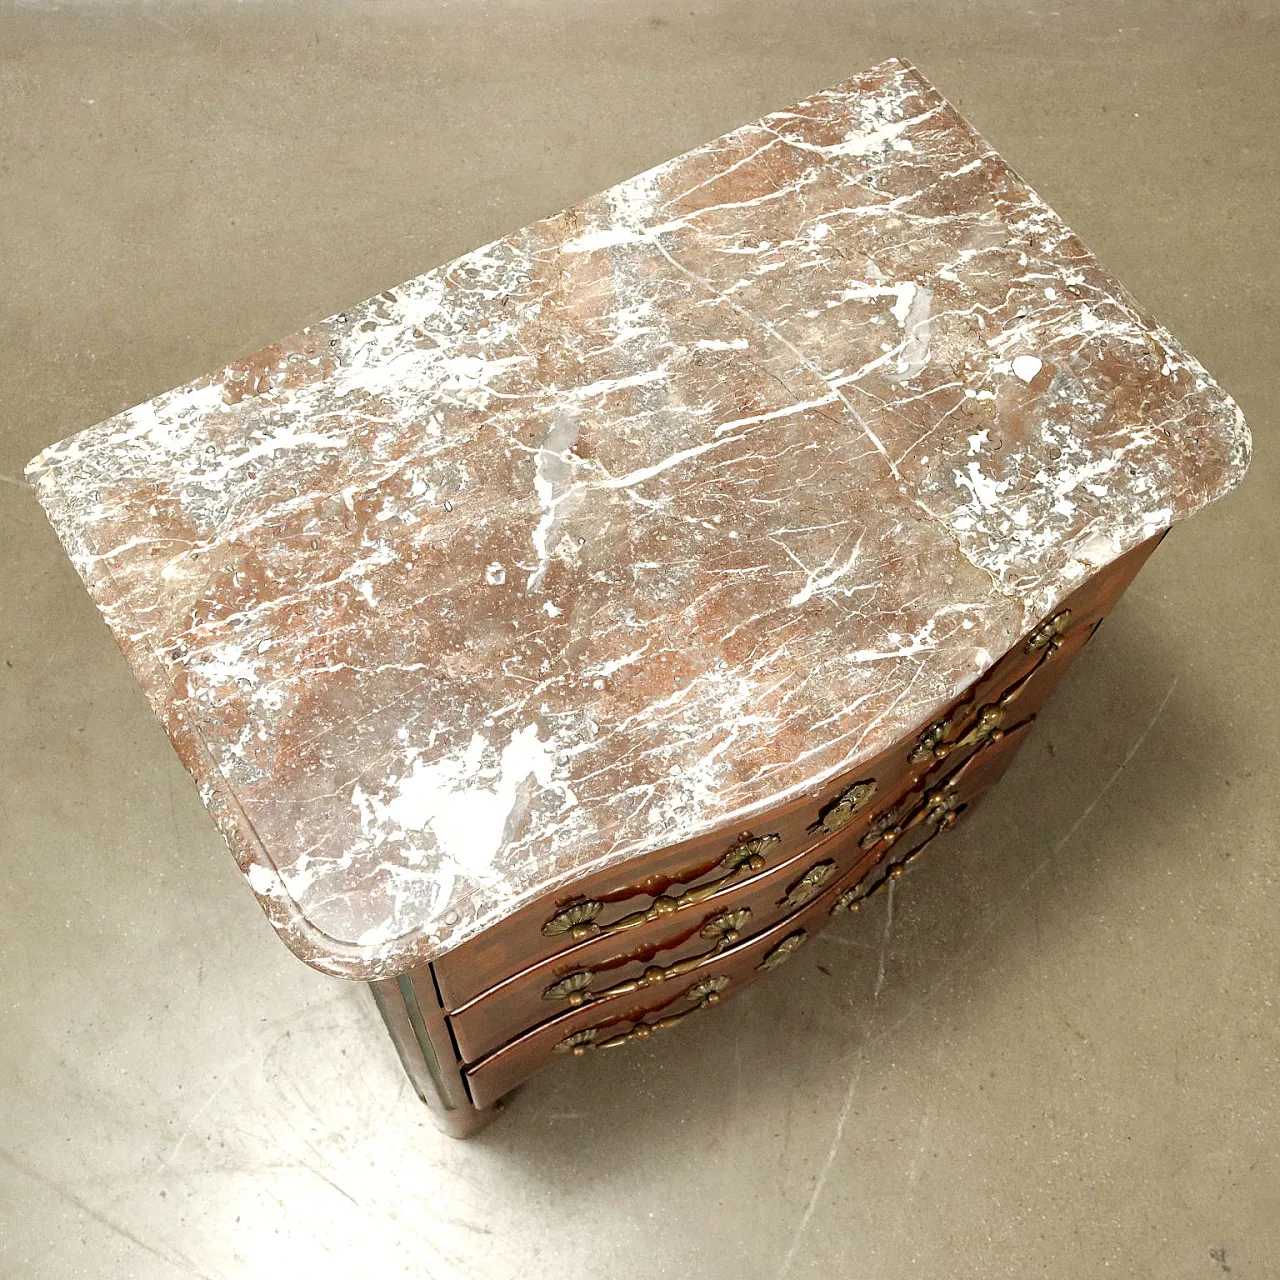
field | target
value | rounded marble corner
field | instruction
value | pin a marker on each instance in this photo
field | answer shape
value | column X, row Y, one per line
column 336, row 957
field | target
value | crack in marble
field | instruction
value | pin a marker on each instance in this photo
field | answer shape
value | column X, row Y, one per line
column 633, row 524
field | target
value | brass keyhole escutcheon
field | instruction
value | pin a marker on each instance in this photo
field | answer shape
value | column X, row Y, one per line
column 809, row 885
column 784, row 950
column 850, row 802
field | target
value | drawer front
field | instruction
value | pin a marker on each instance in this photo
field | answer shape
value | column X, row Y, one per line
column 942, row 799
column 639, row 908
column 596, row 967
column 588, row 972
column 663, row 893
column 624, row 1020
column 629, row 1017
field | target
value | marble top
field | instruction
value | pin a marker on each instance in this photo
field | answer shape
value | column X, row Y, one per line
column 632, row 524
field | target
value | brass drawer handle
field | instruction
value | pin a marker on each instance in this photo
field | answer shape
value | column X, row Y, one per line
column 940, row 805
column 930, row 740
column 1050, row 633
column 841, row 811
column 784, row 950
column 578, row 920
column 809, row 885
column 933, row 744
column 722, row 931
column 939, row 808
column 987, row 725
column 884, row 827
column 852, row 899
column 701, row 994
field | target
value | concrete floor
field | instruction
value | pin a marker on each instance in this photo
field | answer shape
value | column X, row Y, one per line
column 1057, row 1057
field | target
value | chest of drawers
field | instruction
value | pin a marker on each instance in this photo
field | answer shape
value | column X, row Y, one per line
column 562, row 638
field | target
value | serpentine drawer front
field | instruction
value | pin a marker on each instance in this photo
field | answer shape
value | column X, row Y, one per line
column 556, row 638
column 629, row 1017
column 637, row 1016
column 589, row 972
column 936, row 799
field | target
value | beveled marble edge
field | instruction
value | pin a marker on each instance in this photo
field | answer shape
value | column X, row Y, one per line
column 355, row 960
column 329, row 955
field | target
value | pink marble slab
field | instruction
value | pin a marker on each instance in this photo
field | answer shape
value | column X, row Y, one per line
column 644, row 519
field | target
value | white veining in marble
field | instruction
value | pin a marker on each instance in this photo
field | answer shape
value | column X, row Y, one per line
column 633, row 524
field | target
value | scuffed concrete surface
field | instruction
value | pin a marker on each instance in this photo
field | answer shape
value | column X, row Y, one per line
column 1055, row 1058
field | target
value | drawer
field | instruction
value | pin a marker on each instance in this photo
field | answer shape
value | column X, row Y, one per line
column 628, row 1017
column 610, row 920
column 664, row 895
column 587, row 972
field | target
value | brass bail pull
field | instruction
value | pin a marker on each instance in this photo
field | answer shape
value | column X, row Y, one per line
column 578, row 920
column 722, row 931
column 701, row 995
